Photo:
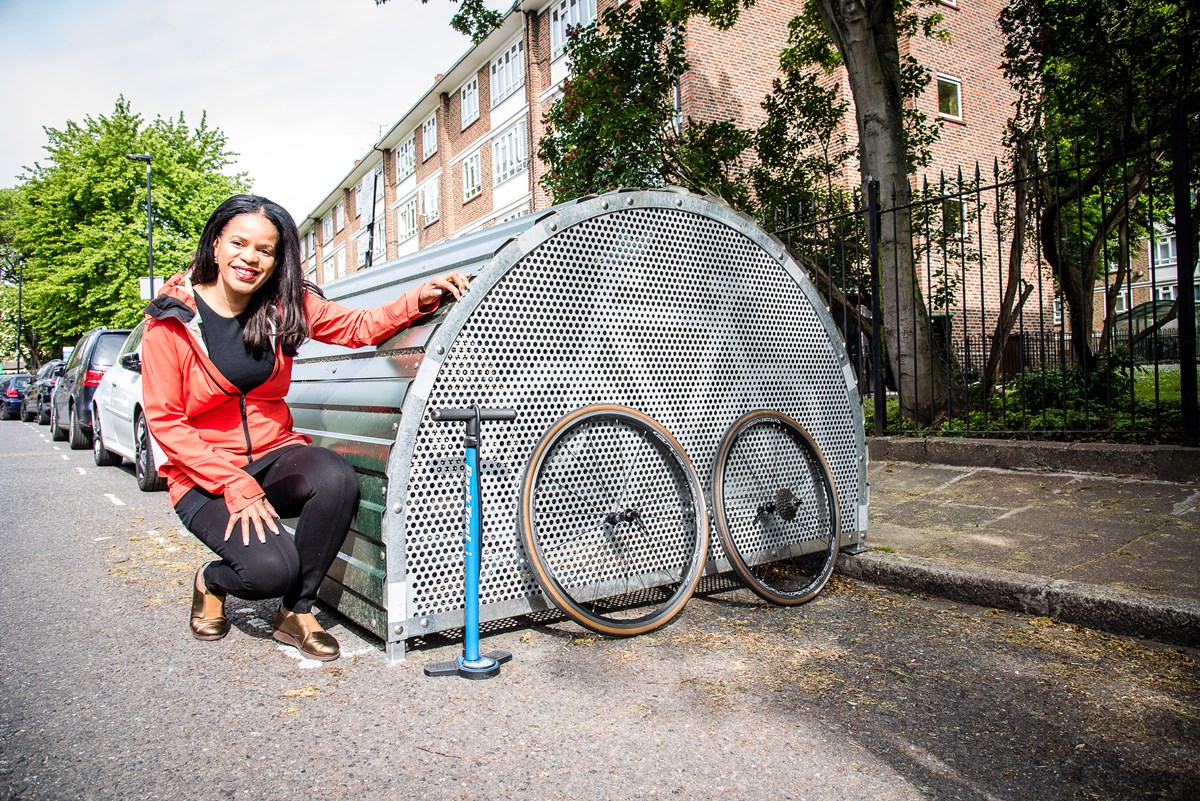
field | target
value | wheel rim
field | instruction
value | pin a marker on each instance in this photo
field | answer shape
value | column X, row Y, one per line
column 776, row 509
column 616, row 524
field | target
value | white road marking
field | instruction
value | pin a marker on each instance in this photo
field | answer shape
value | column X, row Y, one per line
column 101, row 539
column 116, row 501
column 81, row 471
column 66, row 458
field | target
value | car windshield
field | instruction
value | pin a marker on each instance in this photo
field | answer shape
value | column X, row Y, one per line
column 107, row 349
column 20, row 382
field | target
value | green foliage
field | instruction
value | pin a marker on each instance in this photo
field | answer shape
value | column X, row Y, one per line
column 1094, row 79
column 79, row 218
column 611, row 126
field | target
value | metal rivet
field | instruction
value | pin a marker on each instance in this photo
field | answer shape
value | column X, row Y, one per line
column 425, row 622
column 399, row 630
column 397, row 508
column 604, row 204
column 395, row 426
column 553, row 226
column 679, row 201
column 441, row 349
column 628, row 201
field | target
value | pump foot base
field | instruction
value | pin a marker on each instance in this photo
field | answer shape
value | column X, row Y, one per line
column 485, row 667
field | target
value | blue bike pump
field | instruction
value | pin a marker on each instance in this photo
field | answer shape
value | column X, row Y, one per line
column 472, row 664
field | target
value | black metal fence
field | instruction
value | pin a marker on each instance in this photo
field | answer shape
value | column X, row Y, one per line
column 1019, row 355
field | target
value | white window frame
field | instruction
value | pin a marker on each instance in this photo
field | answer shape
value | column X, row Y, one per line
column 957, row 84
column 406, row 220
column 406, row 157
column 508, row 72
column 468, row 101
column 510, row 154
column 472, row 176
column 1166, row 291
column 1121, row 302
column 429, row 136
column 328, row 267
column 568, row 14
column 327, row 228
column 1165, row 252
column 379, row 252
column 339, row 215
column 430, row 193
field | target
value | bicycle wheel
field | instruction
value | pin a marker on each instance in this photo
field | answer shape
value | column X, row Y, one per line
column 775, row 507
column 613, row 520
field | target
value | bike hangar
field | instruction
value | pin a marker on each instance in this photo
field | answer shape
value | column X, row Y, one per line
column 665, row 302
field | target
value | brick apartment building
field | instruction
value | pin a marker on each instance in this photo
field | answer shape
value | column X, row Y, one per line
column 460, row 158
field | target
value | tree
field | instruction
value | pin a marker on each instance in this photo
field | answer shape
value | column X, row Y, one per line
column 615, row 123
column 79, row 219
column 1094, row 78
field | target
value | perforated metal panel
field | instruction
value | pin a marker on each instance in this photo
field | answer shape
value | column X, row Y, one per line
column 664, row 302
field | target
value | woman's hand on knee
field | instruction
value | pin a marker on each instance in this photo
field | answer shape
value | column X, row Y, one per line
column 260, row 515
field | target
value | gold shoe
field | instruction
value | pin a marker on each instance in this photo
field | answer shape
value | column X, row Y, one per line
column 304, row 633
column 208, row 613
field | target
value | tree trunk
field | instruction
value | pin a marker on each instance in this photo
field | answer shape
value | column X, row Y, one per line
column 864, row 32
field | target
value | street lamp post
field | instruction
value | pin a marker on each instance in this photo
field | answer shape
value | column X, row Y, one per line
column 149, row 217
column 20, row 320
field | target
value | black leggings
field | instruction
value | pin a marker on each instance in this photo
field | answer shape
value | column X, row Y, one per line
column 312, row 483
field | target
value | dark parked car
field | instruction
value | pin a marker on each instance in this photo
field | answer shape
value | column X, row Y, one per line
column 12, row 394
column 71, row 404
column 37, row 394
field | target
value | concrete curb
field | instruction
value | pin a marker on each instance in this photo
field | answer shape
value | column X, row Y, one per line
column 1157, row 617
column 1154, row 462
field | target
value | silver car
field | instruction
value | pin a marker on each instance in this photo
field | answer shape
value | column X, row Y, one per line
column 119, row 425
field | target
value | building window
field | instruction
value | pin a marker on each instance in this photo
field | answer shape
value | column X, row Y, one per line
column 327, row 228
column 1121, row 302
column 406, row 158
column 339, row 215
column 953, row 219
column 1168, row 292
column 379, row 252
column 509, row 152
column 508, row 73
column 1057, row 310
column 406, row 219
column 327, row 268
column 1164, row 251
column 430, row 201
column 429, row 136
column 949, row 98
column 566, row 15
column 472, row 182
column 469, row 105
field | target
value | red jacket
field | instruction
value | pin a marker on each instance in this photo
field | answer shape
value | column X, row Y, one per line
column 207, row 428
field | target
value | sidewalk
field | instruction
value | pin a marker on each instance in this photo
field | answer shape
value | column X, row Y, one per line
column 1114, row 545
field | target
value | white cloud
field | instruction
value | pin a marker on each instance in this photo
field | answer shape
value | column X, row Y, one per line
column 301, row 88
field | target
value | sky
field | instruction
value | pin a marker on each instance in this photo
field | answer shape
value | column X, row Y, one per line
column 301, row 88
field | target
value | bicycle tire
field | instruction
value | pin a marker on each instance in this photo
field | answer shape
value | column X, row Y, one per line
column 775, row 508
column 613, row 520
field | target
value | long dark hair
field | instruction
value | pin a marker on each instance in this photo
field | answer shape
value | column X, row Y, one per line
column 278, row 306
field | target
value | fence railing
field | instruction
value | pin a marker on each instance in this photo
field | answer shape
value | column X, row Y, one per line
column 1021, row 357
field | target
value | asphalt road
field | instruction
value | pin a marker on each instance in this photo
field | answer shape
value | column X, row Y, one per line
column 862, row 694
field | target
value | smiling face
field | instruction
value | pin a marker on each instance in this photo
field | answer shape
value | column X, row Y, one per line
column 245, row 253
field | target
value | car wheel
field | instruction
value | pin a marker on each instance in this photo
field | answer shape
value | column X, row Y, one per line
column 56, row 431
column 79, row 438
column 43, row 415
column 5, row 414
column 26, row 415
column 148, row 479
column 101, row 455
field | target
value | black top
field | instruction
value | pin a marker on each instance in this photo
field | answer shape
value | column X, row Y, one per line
column 223, row 337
